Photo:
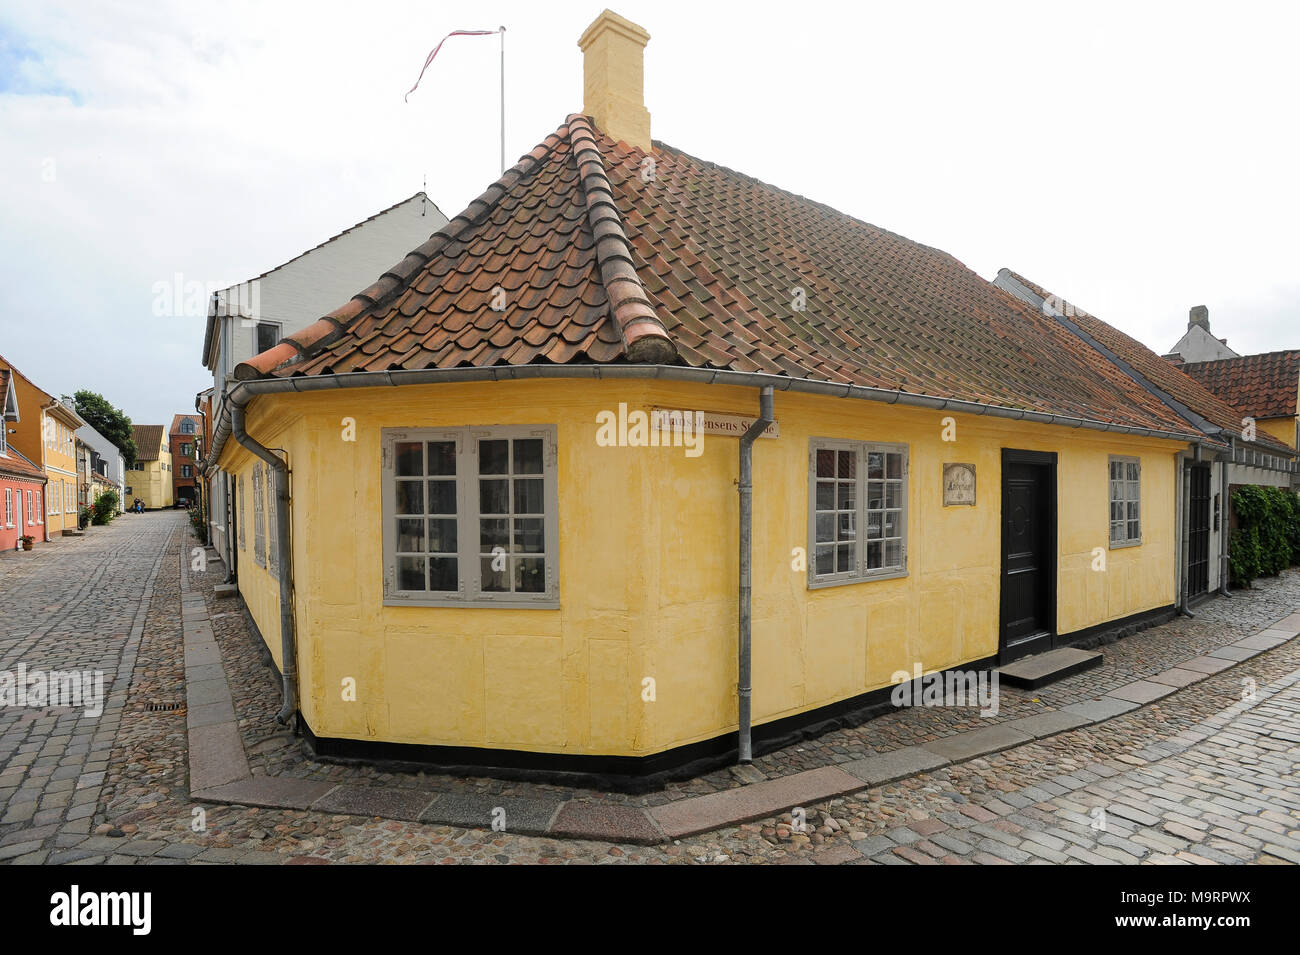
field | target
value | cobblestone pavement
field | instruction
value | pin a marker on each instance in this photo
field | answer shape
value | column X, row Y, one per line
column 1200, row 776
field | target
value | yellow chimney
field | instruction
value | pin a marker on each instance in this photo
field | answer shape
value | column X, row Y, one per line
column 613, row 78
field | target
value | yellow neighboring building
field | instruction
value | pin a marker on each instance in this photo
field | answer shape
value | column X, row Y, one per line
column 47, row 438
column 150, row 479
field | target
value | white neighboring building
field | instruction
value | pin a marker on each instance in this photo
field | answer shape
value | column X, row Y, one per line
column 1199, row 344
column 113, row 463
column 249, row 318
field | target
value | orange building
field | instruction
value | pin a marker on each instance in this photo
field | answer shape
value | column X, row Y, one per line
column 45, row 435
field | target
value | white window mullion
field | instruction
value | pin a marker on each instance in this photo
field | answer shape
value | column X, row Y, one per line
column 467, row 519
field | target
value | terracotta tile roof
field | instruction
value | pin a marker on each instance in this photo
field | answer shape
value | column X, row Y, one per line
column 598, row 261
column 16, row 464
column 148, row 441
column 177, row 419
column 1263, row 386
column 1171, row 379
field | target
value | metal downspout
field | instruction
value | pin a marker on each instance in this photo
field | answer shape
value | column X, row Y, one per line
column 288, row 660
column 746, row 488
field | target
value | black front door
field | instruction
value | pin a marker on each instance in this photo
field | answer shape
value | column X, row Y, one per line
column 1198, row 532
column 1028, row 553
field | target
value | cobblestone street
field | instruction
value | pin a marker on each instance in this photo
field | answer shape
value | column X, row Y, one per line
column 1205, row 775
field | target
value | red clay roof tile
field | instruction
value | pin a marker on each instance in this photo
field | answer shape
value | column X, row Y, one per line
column 1177, row 381
column 1263, row 386
column 700, row 265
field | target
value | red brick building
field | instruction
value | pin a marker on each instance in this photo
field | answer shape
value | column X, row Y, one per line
column 185, row 432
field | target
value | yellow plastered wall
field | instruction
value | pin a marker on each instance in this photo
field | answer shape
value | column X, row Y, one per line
column 150, row 484
column 648, row 567
column 1284, row 429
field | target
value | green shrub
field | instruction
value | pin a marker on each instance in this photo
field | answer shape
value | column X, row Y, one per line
column 1267, row 540
column 105, row 508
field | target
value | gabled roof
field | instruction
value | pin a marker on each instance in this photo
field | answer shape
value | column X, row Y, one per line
column 1263, row 386
column 1192, row 400
column 55, row 405
column 177, row 419
column 594, row 251
column 209, row 331
column 149, row 439
column 16, row 464
column 8, row 397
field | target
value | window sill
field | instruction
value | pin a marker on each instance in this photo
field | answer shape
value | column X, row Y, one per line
column 824, row 584
column 469, row 604
column 1125, row 545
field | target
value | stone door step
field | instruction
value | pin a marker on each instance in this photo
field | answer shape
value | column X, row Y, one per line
column 1029, row 673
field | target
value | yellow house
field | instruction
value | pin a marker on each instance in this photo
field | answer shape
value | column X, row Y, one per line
column 639, row 462
column 47, row 439
column 150, row 479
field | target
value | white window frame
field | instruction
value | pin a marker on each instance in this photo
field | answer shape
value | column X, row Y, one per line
column 469, row 592
column 29, row 513
column 279, row 334
column 259, row 517
column 241, row 505
column 9, row 507
column 1127, row 486
column 859, row 573
column 272, row 528
column 40, row 514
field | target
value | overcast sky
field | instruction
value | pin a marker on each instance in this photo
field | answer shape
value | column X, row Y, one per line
column 1137, row 159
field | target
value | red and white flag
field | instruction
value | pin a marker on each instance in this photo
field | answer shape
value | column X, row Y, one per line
column 439, row 47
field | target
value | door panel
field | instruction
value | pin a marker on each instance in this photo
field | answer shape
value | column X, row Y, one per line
column 1198, row 532
column 1028, row 554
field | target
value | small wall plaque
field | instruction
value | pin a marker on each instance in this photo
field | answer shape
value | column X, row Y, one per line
column 958, row 485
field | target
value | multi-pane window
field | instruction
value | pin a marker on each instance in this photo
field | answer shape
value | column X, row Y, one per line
column 185, row 450
column 1125, row 502
column 241, row 505
column 470, row 515
column 857, row 511
column 272, row 528
column 39, row 520
column 187, row 471
column 259, row 518
column 29, row 507
column 9, row 506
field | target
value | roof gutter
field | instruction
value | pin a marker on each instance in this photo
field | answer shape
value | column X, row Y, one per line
column 280, row 481
column 243, row 392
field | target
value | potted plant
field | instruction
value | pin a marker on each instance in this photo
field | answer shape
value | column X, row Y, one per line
column 27, row 540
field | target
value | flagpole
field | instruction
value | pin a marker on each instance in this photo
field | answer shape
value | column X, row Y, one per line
column 503, row 100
